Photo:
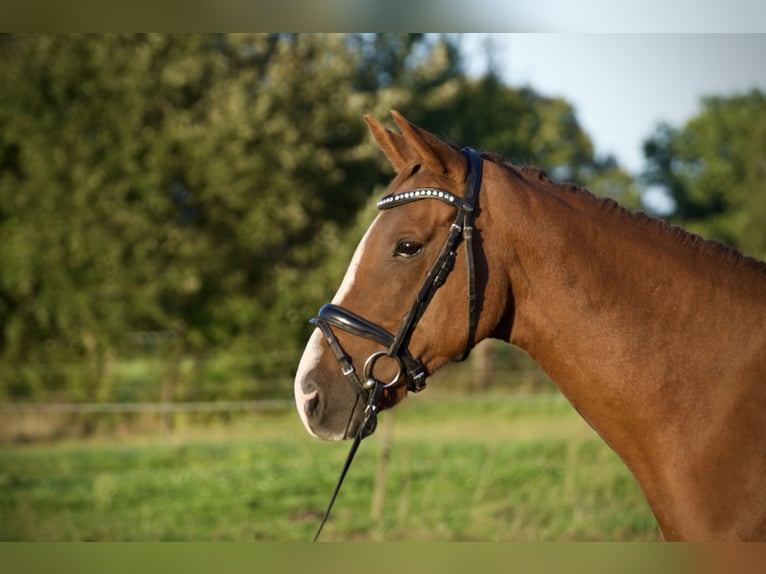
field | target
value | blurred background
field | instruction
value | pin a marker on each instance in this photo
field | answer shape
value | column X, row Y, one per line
column 173, row 209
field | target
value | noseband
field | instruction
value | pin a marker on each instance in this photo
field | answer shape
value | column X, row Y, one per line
column 370, row 389
column 396, row 345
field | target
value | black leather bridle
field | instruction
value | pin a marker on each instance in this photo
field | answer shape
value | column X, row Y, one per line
column 396, row 345
column 369, row 388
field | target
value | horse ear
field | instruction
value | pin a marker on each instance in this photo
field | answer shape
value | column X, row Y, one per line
column 440, row 156
column 392, row 144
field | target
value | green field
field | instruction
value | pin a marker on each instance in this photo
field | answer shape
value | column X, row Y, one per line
column 490, row 468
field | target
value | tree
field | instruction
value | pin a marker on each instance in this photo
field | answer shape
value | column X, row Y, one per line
column 155, row 182
column 713, row 167
column 525, row 127
column 213, row 187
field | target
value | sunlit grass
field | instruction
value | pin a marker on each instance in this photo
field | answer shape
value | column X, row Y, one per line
column 459, row 469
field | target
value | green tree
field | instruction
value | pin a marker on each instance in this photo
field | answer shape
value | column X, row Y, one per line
column 213, row 187
column 153, row 182
column 524, row 126
column 712, row 168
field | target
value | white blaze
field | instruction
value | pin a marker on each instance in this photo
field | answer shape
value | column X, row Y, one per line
column 350, row 276
column 313, row 351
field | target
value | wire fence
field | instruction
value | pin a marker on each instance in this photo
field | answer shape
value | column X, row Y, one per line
column 166, row 407
column 152, row 393
column 52, row 421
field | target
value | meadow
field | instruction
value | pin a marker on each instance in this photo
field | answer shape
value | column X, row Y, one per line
column 479, row 468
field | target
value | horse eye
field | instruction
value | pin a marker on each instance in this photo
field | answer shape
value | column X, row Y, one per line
column 407, row 248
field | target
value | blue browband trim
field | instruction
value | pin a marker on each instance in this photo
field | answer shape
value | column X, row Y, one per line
column 396, row 199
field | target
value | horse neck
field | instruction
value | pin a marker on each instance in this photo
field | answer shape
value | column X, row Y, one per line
column 632, row 321
column 588, row 277
column 585, row 271
column 568, row 265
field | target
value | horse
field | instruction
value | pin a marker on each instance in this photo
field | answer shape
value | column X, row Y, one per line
column 656, row 336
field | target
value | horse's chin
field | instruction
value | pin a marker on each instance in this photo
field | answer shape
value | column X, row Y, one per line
column 329, row 412
column 331, row 436
column 319, row 428
column 329, row 407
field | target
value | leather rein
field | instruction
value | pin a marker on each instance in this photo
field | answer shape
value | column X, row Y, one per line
column 369, row 388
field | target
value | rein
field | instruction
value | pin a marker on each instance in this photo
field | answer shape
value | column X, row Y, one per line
column 371, row 390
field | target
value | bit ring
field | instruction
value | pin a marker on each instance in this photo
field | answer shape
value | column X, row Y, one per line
column 369, row 364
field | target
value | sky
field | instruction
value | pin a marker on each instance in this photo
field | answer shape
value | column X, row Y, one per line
column 623, row 85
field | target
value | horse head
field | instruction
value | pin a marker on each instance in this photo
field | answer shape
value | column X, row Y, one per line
column 404, row 307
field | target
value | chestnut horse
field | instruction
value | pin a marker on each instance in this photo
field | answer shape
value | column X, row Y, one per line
column 656, row 336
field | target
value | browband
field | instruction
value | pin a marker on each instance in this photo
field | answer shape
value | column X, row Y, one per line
column 397, row 199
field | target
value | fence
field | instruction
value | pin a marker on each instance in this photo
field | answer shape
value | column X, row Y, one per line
column 30, row 422
column 152, row 393
column 182, row 407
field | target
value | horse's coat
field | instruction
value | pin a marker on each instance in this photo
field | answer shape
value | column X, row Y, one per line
column 657, row 337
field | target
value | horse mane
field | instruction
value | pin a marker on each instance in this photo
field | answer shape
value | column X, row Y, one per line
column 711, row 248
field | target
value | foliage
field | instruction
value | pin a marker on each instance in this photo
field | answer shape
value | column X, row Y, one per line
column 209, row 189
column 526, row 128
column 713, row 169
column 142, row 188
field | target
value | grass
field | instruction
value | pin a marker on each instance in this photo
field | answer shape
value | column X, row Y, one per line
column 459, row 469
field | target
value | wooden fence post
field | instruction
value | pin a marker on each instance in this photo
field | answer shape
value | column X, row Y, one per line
column 381, row 473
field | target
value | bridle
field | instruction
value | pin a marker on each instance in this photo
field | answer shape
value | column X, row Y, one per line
column 396, row 345
column 370, row 389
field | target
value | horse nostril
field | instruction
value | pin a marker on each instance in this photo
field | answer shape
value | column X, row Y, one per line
column 307, row 403
column 310, row 392
column 312, row 403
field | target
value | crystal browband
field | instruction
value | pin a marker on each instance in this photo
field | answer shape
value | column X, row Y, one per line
column 395, row 199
